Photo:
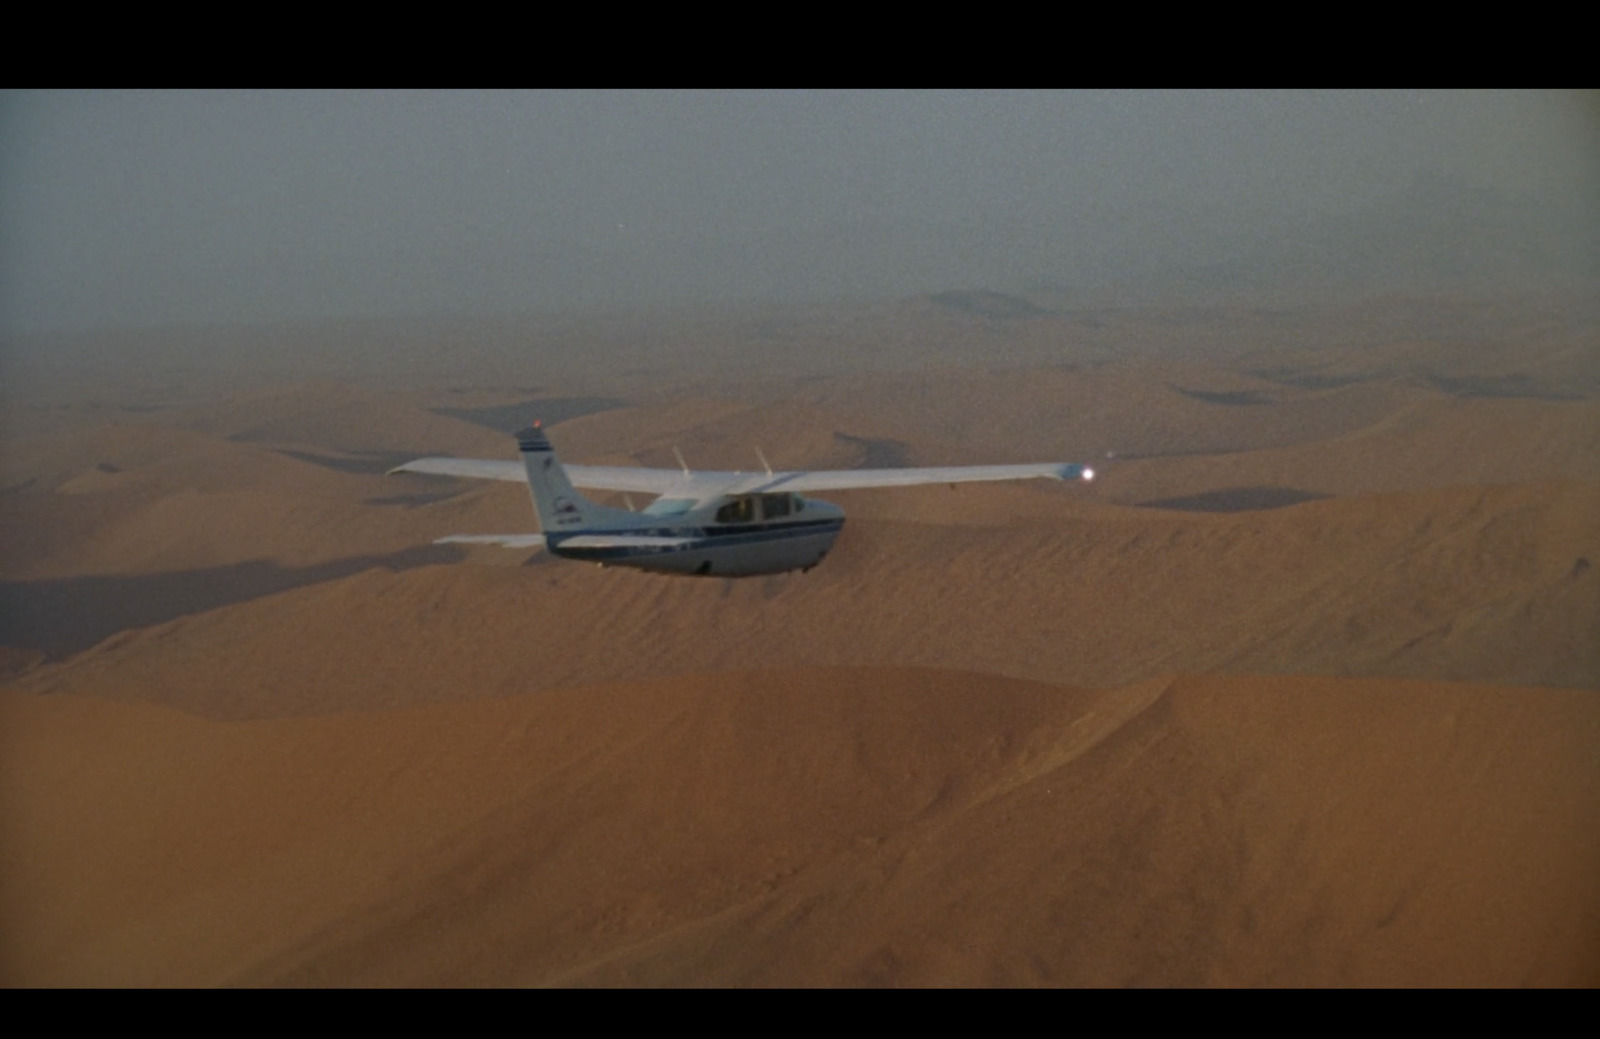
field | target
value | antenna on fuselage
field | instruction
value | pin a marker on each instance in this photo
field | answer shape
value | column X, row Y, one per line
column 764, row 463
column 681, row 462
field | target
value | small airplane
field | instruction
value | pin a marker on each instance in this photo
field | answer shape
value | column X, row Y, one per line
column 717, row 524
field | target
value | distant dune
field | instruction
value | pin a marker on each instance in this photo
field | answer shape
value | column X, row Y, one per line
column 255, row 729
column 987, row 303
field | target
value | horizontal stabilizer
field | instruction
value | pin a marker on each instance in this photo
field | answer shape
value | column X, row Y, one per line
column 504, row 540
column 472, row 468
column 623, row 541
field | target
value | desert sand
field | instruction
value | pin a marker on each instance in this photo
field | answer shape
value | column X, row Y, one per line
column 1301, row 691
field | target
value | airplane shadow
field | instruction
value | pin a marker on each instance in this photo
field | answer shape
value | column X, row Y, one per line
column 66, row 616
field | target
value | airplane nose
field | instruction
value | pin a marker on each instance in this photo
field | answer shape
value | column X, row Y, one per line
column 1088, row 474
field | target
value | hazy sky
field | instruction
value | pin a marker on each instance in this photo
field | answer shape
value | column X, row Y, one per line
column 121, row 208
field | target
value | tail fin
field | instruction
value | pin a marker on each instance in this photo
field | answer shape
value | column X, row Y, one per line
column 559, row 506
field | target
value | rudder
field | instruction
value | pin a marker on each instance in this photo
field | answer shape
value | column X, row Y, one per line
column 558, row 506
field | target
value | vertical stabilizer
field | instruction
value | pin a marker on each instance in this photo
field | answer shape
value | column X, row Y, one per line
column 560, row 508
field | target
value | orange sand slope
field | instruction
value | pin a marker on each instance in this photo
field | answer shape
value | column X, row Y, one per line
column 815, row 826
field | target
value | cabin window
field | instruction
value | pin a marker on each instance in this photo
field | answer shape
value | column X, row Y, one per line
column 776, row 505
column 739, row 510
column 669, row 507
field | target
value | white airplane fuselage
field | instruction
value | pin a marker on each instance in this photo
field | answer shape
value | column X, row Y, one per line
column 722, row 535
column 737, row 536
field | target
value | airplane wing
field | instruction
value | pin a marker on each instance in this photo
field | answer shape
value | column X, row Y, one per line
column 705, row 483
column 852, row 479
column 588, row 477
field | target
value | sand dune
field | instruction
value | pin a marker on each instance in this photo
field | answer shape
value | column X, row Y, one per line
column 873, row 826
column 256, row 729
column 1466, row 583
column 1433, row 443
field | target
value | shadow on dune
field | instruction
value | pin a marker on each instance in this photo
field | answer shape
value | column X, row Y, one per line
column 1230, row 398
column 879, row 454
column 1236, row 499
column 509, row 417
column 68, row 616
